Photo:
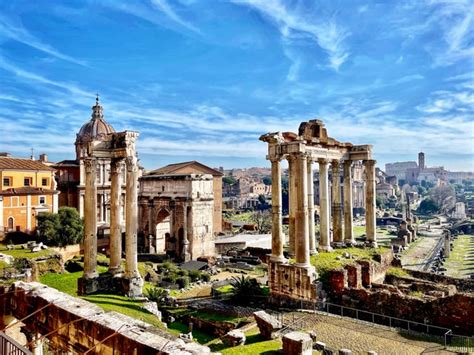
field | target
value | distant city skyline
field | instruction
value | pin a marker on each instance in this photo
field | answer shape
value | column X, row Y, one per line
column 203, row 82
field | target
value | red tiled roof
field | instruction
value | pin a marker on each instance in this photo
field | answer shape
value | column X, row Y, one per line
column 174, row 169
column 22, row 164
column 27, row 190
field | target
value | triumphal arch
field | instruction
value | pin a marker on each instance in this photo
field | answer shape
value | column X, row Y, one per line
column 313, row 145
column 119, row 149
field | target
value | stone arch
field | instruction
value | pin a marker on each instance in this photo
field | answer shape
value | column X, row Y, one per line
column 162, row 228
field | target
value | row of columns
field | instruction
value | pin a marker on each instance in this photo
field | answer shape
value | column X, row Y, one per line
column 301, row 207
column 131, row 212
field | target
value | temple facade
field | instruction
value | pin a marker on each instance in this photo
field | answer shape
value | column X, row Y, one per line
column 313, row 145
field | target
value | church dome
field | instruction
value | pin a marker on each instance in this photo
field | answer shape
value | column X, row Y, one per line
column 97, row 128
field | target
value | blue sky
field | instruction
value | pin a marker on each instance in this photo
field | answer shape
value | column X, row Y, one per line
column 204, row 79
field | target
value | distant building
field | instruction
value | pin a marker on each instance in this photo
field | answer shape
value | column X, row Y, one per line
column 27, row 189
column 399, row 169
column 457, row 177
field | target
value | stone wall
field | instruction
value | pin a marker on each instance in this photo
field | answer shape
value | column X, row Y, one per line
column 463, row 285
column 289, row 283
column 68, row 252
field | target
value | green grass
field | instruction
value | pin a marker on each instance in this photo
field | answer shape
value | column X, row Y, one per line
column 18, row 253
column 67, row 283
column 201, row 337
column 418, row 294
column 359, row 231
column 324, row 262
column 398, row 271
column 225, row 289
column 255, row 344
column 456, row 265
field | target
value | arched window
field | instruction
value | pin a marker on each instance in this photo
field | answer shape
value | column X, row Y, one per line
column 10, row 223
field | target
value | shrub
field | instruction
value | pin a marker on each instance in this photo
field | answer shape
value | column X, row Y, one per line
column 205, row 276
column 194, row 275
column 182, row 272
column 183, row 281
column 18, row 238
column 156, row 294
column 74, row 266
column 60, row 229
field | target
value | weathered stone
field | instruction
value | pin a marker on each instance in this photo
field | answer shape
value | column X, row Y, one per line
column 234, row 338
column 313, row 335
column 187, row 337
column 319, row 345
column 371, row 352
column 267, row 324
column 345, row 352
column 297, row 343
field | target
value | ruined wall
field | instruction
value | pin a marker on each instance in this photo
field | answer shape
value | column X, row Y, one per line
column 289, row 282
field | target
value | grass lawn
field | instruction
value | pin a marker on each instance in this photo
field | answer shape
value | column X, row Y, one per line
column 67, row 283
column 359, row 231
column 461, row 260
column 254, row 344
column 25, row 253
column 178, row 327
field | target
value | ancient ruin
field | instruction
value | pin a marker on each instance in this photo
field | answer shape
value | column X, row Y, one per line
column 312, row 144
column 176, row 214
column 119, row 149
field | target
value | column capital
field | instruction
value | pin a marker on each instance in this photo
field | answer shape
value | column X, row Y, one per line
column 131, row 163
column 116, row 166
column 335, row 164
column 347, row 163
column 369, row 162
column 275, row 159
column 90, row 164
column 323, row 161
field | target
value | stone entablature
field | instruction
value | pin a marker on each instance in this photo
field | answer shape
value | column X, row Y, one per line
column 177, row 215
column 312, row 144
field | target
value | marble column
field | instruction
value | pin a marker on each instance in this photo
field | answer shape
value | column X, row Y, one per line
column 291, row 204
column 186, row 256
column 338, row 236
column 277, row 232
column 370, row 202
column 115, row 244
column 310, row 182
column 131, row 204
column 324, row 239
column 348, row 211
column 151, row 228
column 301, row 221
column 90, row 219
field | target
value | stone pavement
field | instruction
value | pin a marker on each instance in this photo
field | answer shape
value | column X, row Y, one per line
column 420, row 253
column 361, row 337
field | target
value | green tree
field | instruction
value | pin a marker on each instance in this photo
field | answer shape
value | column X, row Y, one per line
column 262, row 220
column 428, row 206
column 61, row 229
column 267, row 180
column 229, row 180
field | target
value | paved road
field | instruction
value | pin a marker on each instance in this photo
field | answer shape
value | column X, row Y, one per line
column 420, row 252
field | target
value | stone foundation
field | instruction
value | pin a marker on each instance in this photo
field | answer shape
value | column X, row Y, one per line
column 291, row 283
column 108, row 283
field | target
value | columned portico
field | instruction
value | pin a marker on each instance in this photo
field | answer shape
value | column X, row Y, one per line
column 348, row 212
column 370, row 202
column 325, row 238
column 338, row 236
column 277, row 232
column 115, row 217
column 90, row 219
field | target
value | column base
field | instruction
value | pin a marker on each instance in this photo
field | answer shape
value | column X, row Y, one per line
column 132, row 286
column 336, row 245
column 313, row 252
column 278, row 259
column 350, row 242
column 115, row 271
column 325, row 248
column 371, row 243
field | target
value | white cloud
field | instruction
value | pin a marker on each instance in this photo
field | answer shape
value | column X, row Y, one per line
column 166, row 8
column 16, row 32
column 322, row 29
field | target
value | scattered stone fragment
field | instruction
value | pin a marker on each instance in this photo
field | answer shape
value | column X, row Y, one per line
column 297, row 343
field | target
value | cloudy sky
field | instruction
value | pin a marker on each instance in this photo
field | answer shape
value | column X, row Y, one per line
column 204, row 79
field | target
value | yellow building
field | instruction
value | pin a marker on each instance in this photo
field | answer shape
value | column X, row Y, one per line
column 27, row 188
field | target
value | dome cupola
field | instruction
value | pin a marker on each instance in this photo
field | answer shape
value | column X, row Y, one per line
column 97, row 128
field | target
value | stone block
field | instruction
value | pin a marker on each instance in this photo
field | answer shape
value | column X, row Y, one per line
column 345, row 352
column 297, row 343
column 354, row 275
column 267, row 324
column 234, row 338
column 372, row 353
column 337, row 280
column 319, row 345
